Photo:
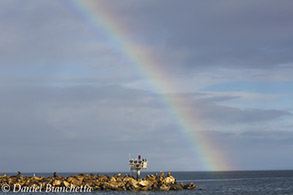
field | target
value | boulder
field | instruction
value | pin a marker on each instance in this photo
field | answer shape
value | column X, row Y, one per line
column 164, row 187
column 81, row 177
column 190, row 186
column 74, row 181
column 133, row 185
column 35, row 178
column 151, row 177
column 112, row 179
column 146, row 184
column 176, row 187
column 57, row 182
column 127, row 179
column 169, row 180
column 115, row 186
column 66, row 184
column 103, row 178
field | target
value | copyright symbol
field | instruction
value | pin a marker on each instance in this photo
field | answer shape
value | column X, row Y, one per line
column 5, row 188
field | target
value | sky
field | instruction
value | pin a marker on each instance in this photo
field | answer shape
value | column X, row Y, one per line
column 71, row 99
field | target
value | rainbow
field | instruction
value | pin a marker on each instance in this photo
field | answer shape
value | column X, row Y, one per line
column 97, row 14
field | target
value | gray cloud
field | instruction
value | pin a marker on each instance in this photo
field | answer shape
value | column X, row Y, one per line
column 207, row 33
column 228, row 115
column 64, row 126
column 61, row 125
column 185, row 37
column 212, row 111
column 48, row 41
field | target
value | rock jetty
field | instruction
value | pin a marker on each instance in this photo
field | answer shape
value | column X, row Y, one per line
column 100, row 182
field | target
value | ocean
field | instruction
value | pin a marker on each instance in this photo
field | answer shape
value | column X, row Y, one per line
column 230, row 182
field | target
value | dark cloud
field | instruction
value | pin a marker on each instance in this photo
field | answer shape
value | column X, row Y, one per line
column 71, row 124
column 228, row 115
column 50, row 39
column 194, row 35
column 100, row 124
column 210, row 109
column 225, row 33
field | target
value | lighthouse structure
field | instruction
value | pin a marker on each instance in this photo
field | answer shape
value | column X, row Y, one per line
column 137, row 164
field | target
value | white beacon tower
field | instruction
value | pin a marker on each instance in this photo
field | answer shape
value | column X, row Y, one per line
column 137, row 164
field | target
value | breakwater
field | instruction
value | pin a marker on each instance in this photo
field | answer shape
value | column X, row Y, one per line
column 92, row 182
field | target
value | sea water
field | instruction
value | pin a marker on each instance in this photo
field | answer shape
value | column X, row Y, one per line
column 230, row 182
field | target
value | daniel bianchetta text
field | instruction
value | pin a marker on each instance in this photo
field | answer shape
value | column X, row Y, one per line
column 50, row 188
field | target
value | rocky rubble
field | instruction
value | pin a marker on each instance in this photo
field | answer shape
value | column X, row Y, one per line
column 95, row 182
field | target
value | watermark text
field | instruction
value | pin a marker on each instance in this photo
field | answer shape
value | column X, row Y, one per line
column 47, row 188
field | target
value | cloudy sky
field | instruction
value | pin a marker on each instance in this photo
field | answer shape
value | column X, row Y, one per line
column 71, row 100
